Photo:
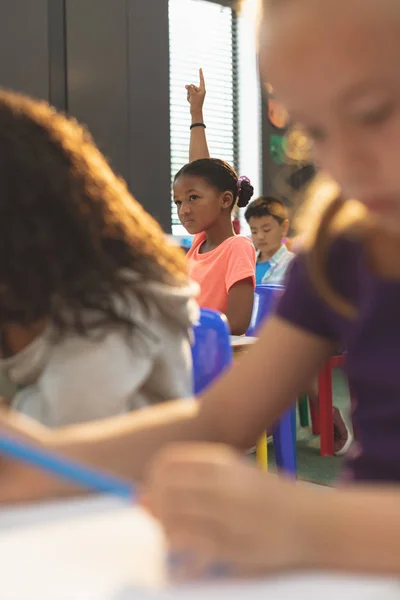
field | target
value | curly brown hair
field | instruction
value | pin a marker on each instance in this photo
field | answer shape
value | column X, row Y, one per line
column 69, row 228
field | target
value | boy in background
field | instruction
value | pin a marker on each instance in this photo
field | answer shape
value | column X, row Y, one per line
column 268, row 219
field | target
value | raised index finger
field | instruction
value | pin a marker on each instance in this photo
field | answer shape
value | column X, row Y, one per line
column 202, row 80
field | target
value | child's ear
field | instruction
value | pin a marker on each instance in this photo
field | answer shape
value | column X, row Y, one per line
column 227, row 200
column 285, row 228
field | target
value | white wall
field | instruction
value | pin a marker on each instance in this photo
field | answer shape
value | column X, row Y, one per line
column 250, row 101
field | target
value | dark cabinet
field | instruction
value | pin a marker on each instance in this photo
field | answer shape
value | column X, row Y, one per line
column 24, row 46
column 107, row 63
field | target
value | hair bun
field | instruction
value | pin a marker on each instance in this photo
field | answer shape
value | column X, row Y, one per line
column 245, row 194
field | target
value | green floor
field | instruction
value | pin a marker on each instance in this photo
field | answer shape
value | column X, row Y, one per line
column 310, row 465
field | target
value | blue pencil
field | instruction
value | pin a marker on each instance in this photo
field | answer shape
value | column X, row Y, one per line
column 87, row 477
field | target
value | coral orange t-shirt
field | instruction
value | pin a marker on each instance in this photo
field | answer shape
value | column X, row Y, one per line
column 218, row 270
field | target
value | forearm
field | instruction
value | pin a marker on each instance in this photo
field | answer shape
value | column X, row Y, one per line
column 240, row 306
column 355, row 529
column 125, row 445
column 265, row 382
column 238, row 323
column 198, row 140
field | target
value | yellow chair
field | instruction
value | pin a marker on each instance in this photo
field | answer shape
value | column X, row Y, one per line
column 262, row 452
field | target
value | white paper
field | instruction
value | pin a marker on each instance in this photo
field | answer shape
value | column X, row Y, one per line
column 105, row 550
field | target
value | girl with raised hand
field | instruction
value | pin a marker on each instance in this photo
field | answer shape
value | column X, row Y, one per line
column 206, row 191
column 221, row 262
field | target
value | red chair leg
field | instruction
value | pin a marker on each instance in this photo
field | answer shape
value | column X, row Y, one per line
column 326, row 410
column 314, row 412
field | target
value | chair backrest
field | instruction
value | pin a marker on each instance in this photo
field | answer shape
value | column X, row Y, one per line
column 265, row 298
column 211, row 350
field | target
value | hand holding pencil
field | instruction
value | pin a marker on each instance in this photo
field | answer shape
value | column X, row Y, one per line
column 28, row 470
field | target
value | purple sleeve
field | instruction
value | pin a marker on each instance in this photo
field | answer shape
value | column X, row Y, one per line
column 301, row 305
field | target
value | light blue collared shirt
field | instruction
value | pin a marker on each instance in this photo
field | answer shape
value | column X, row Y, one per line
column 278, row 265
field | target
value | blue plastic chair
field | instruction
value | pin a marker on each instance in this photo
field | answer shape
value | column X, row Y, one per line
column 284, row 433
column 212, row 354
column 265, row 298
column 211, row 350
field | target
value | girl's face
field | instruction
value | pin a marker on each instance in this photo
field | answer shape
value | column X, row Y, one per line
column 336, row 66
column 199, row 204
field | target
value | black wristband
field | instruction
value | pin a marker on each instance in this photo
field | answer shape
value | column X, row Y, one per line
column 197, row 125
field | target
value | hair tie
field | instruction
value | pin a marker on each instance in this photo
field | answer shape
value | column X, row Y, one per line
column 240, row 181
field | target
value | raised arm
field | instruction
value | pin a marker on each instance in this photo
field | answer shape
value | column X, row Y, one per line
column 198, row 140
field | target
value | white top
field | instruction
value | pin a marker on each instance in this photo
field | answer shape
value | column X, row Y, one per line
column 101, row 549
column 76, row 379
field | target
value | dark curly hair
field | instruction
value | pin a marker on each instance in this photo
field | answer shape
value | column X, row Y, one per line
column 69, row 228
column 220, row 175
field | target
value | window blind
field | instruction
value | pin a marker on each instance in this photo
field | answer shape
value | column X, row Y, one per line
column 203, row 34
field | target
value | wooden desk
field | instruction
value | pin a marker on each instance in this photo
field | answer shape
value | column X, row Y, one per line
column 241, row 344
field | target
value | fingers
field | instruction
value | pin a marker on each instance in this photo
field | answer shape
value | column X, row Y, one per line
column 184, row 494
column 202, row 80
column 15, row 423
column 197, row 554
column 190, row 90
column 203, row 485
column 188, row 477
column 202, row 549
column 182, row 459
column 198, row 90
column 221, row 515
column 213, row 507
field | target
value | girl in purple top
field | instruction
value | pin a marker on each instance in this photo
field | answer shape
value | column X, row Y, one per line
column 335, row 65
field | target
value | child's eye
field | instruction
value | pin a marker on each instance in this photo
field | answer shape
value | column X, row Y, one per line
column 178, row 202
column 193, row 197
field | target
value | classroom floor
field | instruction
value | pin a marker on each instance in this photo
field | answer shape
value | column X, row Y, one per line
column 310, row 465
